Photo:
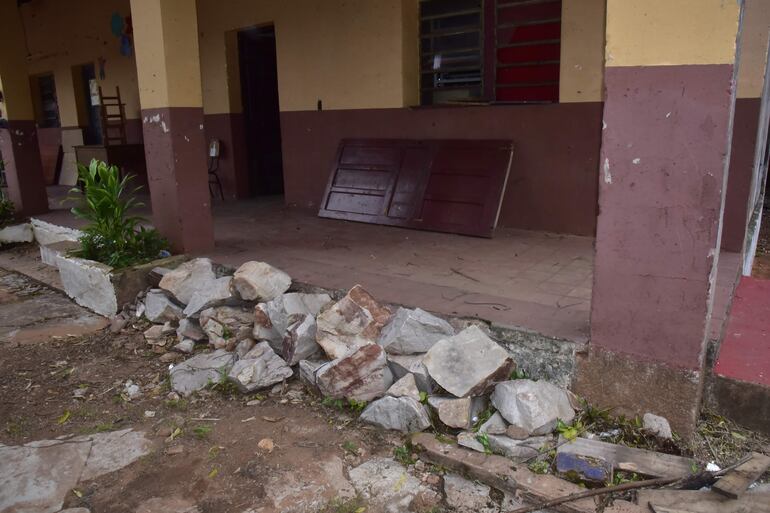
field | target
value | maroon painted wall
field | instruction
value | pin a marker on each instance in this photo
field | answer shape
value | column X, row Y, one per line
column 741, row 169
column 233, row 162
column 554, row 176
column 49, row 140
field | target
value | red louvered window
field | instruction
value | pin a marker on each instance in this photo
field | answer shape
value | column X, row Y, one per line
column 489, row 51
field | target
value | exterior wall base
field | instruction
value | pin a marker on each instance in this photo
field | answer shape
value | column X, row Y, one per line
column 233, row 160
column 23, row 169
column 632, row 386
column 748, row 404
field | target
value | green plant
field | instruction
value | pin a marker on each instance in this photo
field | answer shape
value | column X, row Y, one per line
column 569, row 431
column 113, row 237
column 483, row 439
column 519, row 374
column 403, row 454
column 7, row 212
column 350, row 447
column 202, row 431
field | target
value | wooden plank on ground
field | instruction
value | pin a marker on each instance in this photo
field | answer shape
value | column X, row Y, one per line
column 503, row 474
column 695, row 501
column 641, row 461
column 738, row 480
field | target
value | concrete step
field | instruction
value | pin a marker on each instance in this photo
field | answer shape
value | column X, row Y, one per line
column 49, row 253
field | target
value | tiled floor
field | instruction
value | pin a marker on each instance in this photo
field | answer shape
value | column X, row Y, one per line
column 533, row 280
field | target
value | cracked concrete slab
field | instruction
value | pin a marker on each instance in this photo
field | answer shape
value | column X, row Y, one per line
column 36, row 477
column 32, row 313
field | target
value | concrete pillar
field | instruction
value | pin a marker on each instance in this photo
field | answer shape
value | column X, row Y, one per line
column 669, row 102
column 18, row 142
column 168, row 70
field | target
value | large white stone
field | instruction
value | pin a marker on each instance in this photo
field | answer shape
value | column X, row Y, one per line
column 363, row 375
column 271, row 319
column 189, row 278
column 159, row 308
column 657, row 425
column 468, row 363
column 532, row 406
column 190, row 329
column 89, row 283
column 260, row 368
column 299, row 343
column 468, row 496
column 217, row 292
column 260, row 281
column 413, row 331
column 200, row 371
column 16, row 233
column 405, row 387
column 227, row 325
column 353, row 322
column 401, row 365
column 403, row 414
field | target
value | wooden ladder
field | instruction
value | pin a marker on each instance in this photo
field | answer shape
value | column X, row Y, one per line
column 113, row 116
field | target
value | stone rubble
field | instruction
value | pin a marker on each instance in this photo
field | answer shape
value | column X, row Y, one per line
column 458, row 413
column 201, row 371
column 159, row 308
column 362, row 376
column 189, row 278
column 354, row 321
column 260, row 281
column 259, row 368
column 405, row 387
column 401, row 365
column 413, row 331
column 299, row 343
column 216, row 293
column 403, row 414
column 657, row 425
column 468, row 363
column 533, row 406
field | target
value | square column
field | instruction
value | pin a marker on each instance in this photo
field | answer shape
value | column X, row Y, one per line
column 18, row 141
column 168, row 69
column 669, row 101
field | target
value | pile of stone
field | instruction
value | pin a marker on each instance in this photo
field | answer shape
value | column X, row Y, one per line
column 409, row 366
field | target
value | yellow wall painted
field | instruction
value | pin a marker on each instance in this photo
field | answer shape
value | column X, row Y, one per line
column 61, row 35
column 582, row 51
column 347, row 53
column 13, row 65
column 166, row 41
column 671, row 32
column 753, row 48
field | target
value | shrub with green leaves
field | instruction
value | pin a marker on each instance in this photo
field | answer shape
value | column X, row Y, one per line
column 113, row 236
column 7, row 212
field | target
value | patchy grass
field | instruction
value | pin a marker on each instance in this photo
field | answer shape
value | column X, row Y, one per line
column 15, row 427
column 483, row 439
column 483, row 417
column 403, row 454
column 350, row 447
column 177, row 404
column 202, row 431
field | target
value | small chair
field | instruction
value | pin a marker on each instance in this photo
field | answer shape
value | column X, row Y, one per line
column 213, row 167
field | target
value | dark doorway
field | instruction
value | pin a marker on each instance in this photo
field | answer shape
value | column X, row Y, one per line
column 259, row 87
column 88, row 114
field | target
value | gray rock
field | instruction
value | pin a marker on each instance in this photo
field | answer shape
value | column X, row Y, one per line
column 405, row 387
column 216, row 293
column 385, row 483
column 225, row 326
column 260, row 368
column 16, row 233
column 533, row 406
column 159, row 308
column 190, row 328
column 470, row 440
column 272, row 318
column 154, row 334
column 353, row 322
column 401, row 365
column 657, row 425
column 186, row 346
column 413, row 331
column 307, row 373
column 187, row 279
column 200, row 371
column 468, row 496
column 458, row 413
column 244, row 346
column 299, row 343
column 258, row 281
column 75, row 510
column 167, row 505
column 495, row 425
column 363, row 376
column 112, row 451
column 468, row 363
column 398, row 413
column 517, row 450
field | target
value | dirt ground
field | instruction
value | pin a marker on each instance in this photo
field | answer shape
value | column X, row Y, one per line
column 207, row 446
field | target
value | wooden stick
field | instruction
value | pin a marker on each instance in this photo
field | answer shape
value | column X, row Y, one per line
column 661, row 481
